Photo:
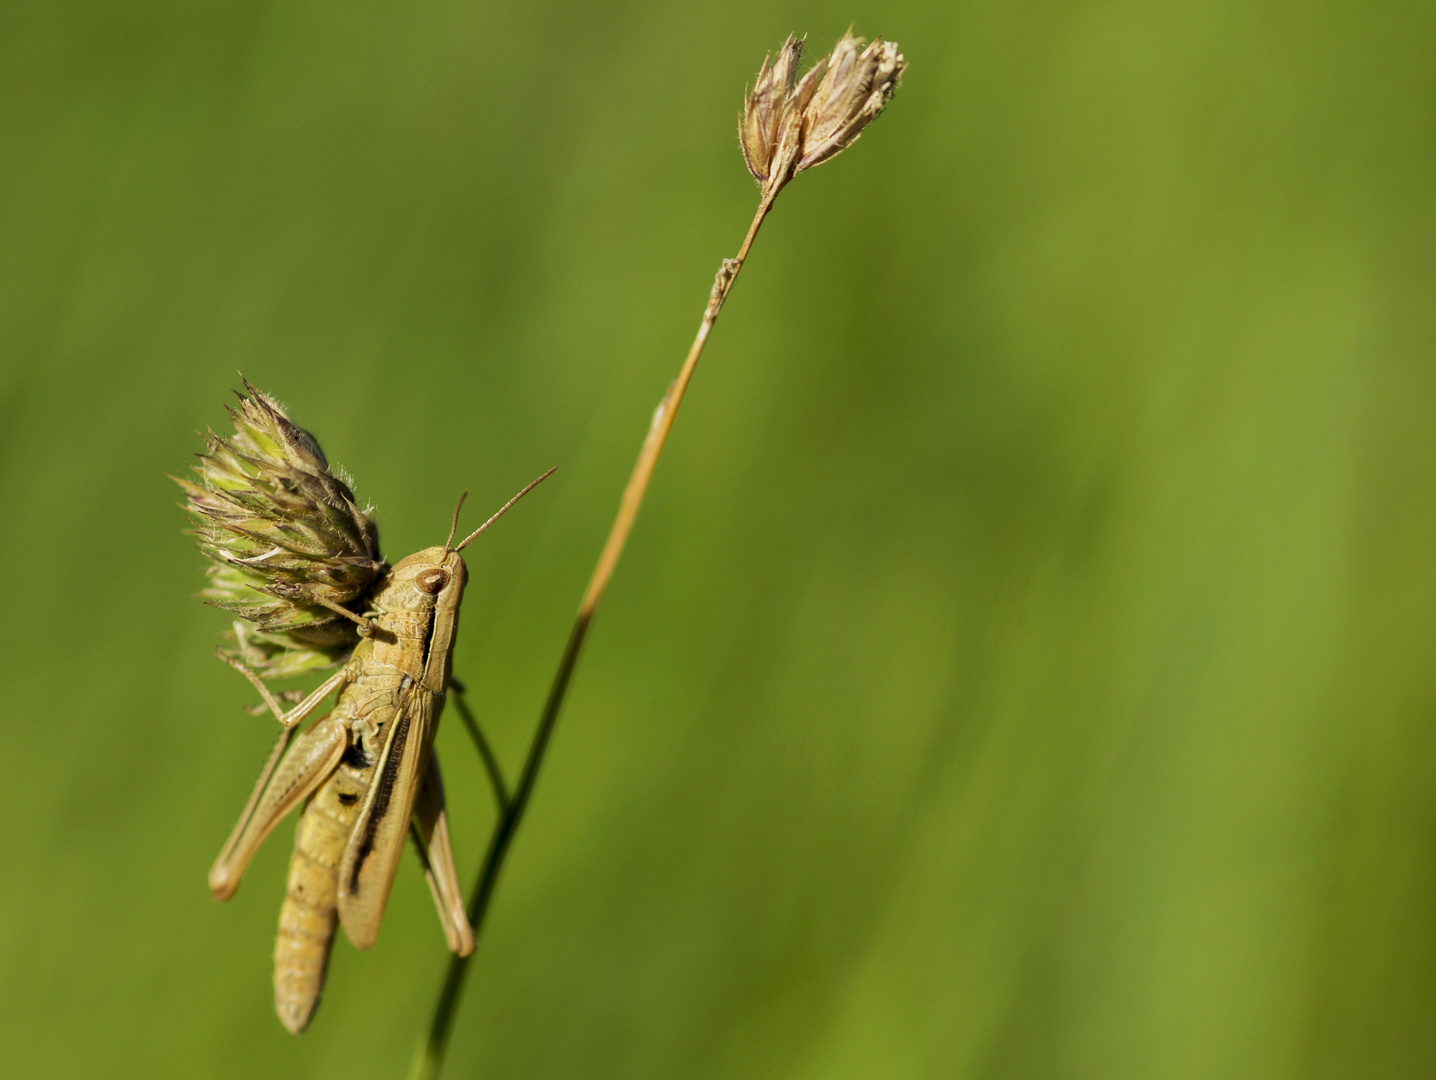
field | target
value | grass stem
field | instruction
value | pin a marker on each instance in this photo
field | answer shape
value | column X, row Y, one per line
column 429, row 1059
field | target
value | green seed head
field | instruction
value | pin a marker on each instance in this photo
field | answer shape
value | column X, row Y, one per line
column 284, row 534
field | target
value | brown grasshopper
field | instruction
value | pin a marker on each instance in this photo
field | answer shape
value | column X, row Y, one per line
column 370, row 774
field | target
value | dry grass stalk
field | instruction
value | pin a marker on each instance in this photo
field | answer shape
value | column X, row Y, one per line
column 788, row 125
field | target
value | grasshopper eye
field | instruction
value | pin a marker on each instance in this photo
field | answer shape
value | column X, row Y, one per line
column 432, row 580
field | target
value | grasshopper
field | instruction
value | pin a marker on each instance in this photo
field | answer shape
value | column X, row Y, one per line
column 366, row 771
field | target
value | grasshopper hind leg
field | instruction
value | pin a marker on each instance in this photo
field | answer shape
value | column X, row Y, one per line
column 430, row 830
column 289, row 776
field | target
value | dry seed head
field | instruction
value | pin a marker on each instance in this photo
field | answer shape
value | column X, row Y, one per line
column 789, row 124
column 283, row 532
column 771, row 126
column 856, row 86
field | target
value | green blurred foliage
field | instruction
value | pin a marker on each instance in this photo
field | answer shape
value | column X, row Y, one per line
column 1023, row 666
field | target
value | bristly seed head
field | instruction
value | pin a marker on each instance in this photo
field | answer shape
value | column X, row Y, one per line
column 789, row 125
column 285, row 537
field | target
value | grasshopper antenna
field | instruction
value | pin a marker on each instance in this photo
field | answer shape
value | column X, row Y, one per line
column 501, row 512
column 454, row 525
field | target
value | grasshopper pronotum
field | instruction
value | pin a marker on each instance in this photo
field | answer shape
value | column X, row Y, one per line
column 367, row 768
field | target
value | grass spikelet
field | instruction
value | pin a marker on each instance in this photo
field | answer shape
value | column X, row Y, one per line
column 287, row 541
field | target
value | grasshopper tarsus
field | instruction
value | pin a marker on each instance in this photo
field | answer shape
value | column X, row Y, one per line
column 291, row 696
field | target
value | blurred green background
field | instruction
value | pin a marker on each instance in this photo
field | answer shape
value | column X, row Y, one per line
column 1023, row 666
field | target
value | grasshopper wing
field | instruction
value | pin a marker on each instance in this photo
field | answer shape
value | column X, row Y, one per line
column 371, row 857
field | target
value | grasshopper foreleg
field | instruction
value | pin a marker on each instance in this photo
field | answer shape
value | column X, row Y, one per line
column 297, row 714
column 280, row 746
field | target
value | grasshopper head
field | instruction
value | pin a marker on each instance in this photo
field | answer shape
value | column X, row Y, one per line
column 427, row 580
column 431, row 580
